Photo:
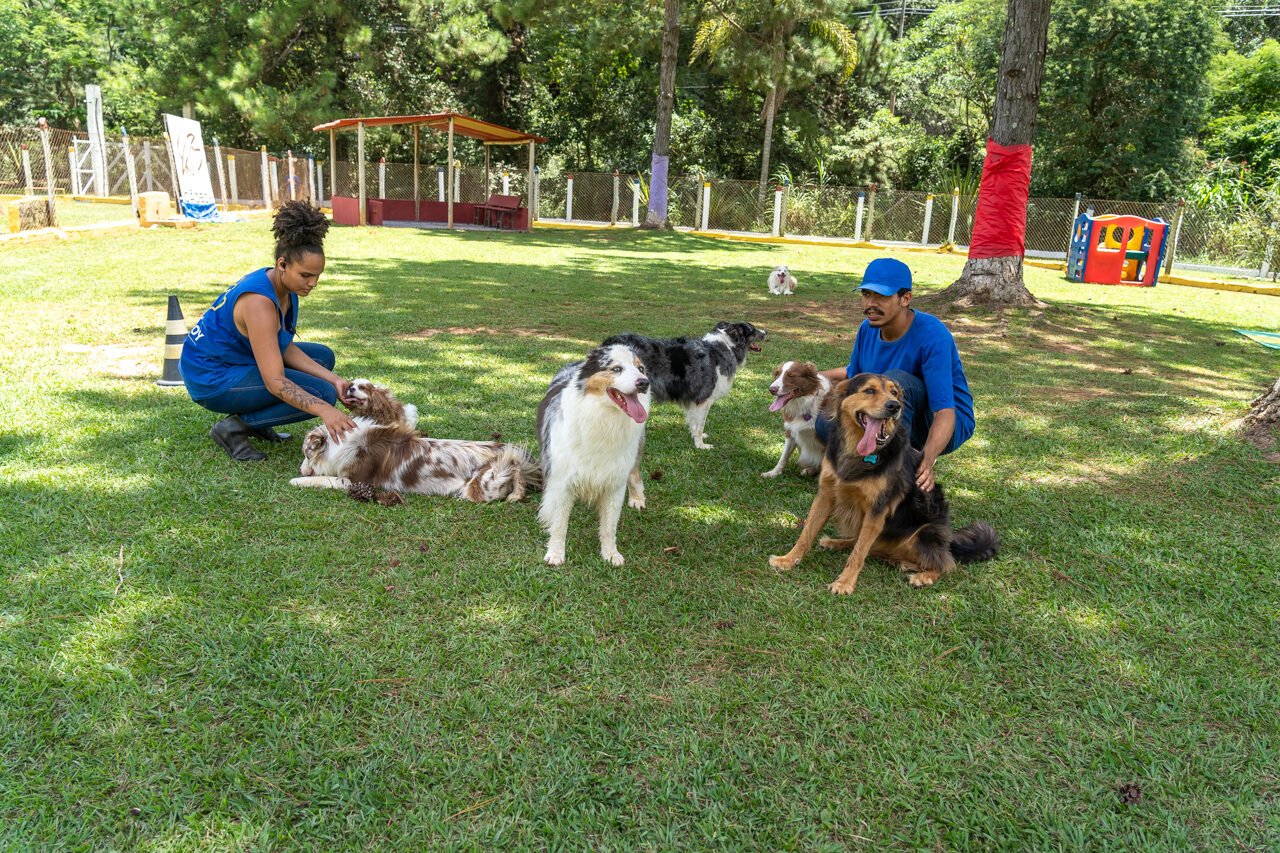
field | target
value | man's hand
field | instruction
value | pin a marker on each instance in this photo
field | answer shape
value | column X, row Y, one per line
column 924, row 474
column 337, row 423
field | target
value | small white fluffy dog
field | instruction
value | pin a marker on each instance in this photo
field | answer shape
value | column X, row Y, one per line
column 781, row 281
column 798, row 392
column 591, row 427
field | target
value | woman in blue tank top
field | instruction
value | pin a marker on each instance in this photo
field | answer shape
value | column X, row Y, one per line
column 241, row 358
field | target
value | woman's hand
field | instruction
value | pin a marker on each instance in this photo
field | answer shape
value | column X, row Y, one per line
column 337, row 423
column 341, row 385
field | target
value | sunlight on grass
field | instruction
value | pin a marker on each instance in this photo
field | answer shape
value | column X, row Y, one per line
column 101, row 645
column 491, row 614
column 1089, row 618
column 710, row 514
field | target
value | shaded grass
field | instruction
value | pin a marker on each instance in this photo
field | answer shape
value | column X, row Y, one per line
column 246, row 664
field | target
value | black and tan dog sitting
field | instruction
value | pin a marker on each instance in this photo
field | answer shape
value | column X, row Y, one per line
column 868, row 483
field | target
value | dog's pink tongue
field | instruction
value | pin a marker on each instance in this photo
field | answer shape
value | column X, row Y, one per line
column 868, row 444
column 635, row 409
column 779, row 401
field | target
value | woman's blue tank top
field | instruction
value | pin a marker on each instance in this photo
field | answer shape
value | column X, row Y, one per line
column 215, row 355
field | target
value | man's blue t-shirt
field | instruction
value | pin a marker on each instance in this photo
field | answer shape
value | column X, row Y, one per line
column 215, row 355
column 928, row 351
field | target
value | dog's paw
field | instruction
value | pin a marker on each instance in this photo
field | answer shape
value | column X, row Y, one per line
column 809, row 472
column 782, row 564
column 839, row 588
column 554, row 557
column 702, row 445
column 614, row 559
column 827, row 543
column 636, row 503
column 773, row 473
column 922, row 579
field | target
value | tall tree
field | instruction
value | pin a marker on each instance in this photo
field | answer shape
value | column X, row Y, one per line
column 656, row 217
column 993, row 272
column 777, row 45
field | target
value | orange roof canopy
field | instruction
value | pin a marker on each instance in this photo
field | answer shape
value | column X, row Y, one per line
column 463, row 125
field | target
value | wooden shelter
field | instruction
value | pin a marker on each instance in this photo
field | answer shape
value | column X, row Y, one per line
column 355, row 211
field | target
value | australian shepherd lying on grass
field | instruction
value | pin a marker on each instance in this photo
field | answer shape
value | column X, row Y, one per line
column 395, row 457
column 868, row 483
column 798, row 391
column 591, row 427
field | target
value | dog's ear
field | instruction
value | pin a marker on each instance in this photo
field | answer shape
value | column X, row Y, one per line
column 778, row 370
column 832, row 404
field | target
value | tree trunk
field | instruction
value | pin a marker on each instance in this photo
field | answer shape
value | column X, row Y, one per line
column 1264, row 412
column 766, row 148
column 656, row 217
column 998, row 280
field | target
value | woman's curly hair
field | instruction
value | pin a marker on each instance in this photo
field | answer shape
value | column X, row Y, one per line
column 299, row 229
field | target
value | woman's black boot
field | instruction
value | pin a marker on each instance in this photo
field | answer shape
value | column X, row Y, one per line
column 266, row 433
column 232, row 435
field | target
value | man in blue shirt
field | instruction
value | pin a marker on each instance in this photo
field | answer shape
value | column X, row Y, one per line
column 918, row 352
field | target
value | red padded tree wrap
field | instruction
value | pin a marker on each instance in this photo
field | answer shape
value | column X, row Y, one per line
column 1000, row 223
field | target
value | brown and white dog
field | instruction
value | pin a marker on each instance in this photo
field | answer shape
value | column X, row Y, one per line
column 781, row 281
column 591, row 427
column 798, row 392
column 378, row 404
column 395, row 457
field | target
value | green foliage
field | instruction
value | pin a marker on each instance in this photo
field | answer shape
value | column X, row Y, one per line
column 1126, row 91
column 1245, row 105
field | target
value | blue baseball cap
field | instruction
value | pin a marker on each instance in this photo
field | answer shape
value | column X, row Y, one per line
column 886, row 276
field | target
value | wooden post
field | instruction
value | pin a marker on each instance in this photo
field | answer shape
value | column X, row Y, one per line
column 457, row 180
column 48, row 162
column 266, row 179
column 382, row 177
column 320, row 184
column 531, row 188
column 568, row 198
column 1177, row 232
column 275, row 181
column 441, row 193
column 292, row 180
column 132, row 175
column 222, row 178
column 360, row 171
column 333, row 165
column 451, row 172
column 26, row 170
column 486, row 175
column 928, row 219
column 417, row 203
column 75, row 174
column 231, row 173
column 506, row 182
column 146, row 165
column 706, row 204
column 613, row 211
column 955, row 214
column 777, row 212
column 871, row 212
column 635, row 201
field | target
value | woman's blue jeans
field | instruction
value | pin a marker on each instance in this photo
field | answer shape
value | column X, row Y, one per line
column 258, row 407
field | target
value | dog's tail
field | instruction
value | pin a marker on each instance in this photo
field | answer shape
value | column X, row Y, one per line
column 978, row 541
column 515, row 456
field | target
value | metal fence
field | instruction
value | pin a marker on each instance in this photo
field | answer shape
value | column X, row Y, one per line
column 57, row 162
column 61, row 162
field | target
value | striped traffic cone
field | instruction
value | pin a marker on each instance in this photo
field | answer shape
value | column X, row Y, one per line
column 174, row 333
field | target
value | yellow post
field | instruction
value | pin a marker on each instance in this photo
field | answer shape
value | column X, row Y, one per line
column 450, row 171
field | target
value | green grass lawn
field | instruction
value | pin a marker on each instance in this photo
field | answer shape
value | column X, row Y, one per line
column 72, row 212
column 194, row 654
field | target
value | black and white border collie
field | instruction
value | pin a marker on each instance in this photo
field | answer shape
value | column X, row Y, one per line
column 781, row 281
column 694, row 372
column 591, row 427
column 395, row 457
column 799, row 391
